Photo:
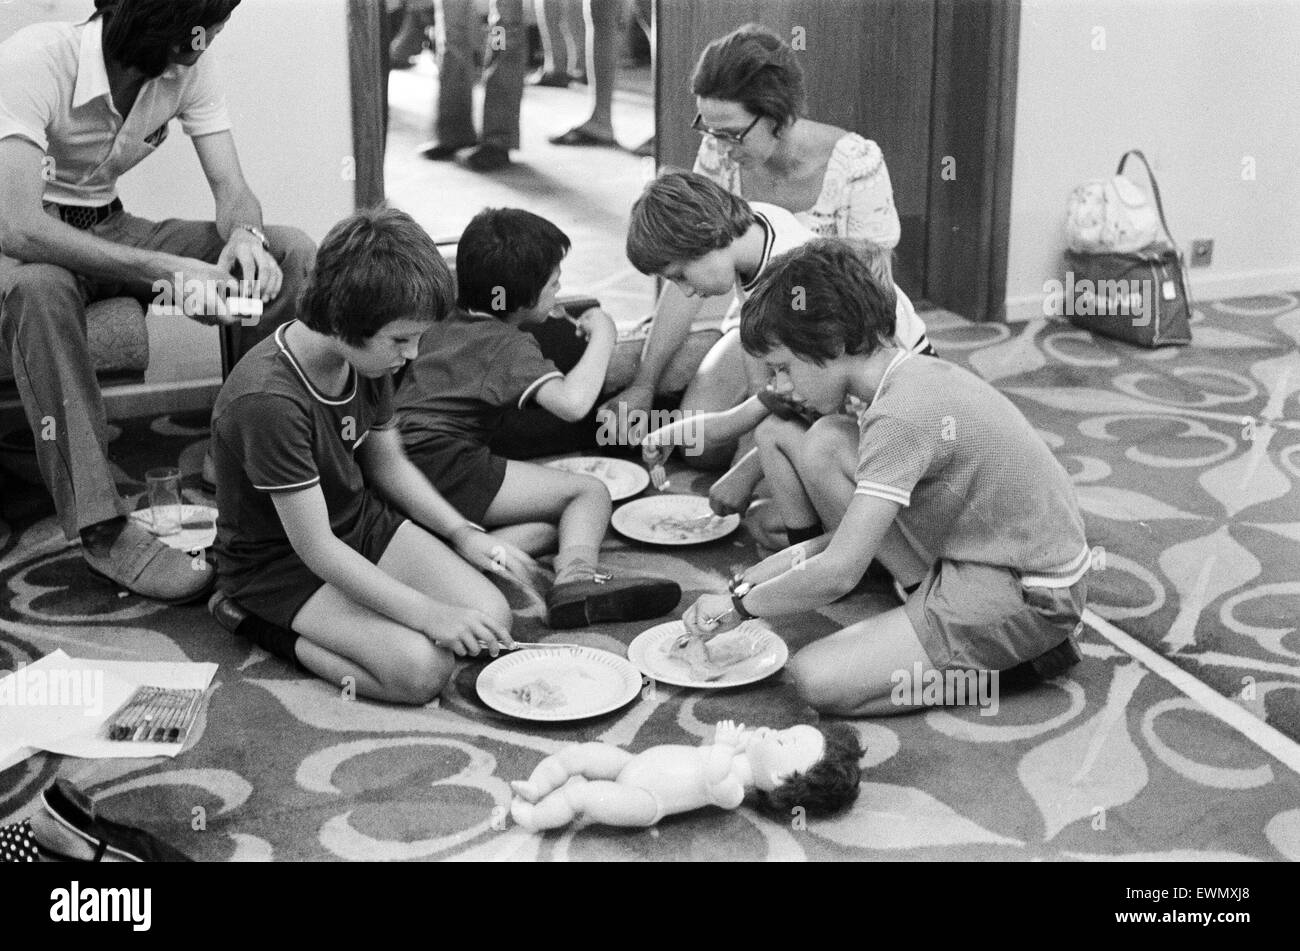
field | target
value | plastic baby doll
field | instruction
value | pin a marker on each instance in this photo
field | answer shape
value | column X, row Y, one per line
column 802, row 766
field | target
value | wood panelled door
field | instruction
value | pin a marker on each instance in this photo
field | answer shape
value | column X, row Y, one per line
column 928, row 80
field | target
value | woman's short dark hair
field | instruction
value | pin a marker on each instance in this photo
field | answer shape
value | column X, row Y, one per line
column 505, row 258
column 143, row 33
column 820, row 301
column 681, row 217
column 374, row 267
column 829, row 785
column 754, row 67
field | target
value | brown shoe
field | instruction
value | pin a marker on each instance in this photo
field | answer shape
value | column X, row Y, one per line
column 142, row 564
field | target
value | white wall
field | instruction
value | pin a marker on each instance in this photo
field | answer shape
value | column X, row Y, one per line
column 1199, row 86
column 284, row 65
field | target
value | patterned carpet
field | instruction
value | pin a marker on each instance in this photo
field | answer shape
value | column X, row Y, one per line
column 1109, row 763
column 1187, row 463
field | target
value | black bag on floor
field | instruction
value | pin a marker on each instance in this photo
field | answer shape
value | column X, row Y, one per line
column 1139, row 297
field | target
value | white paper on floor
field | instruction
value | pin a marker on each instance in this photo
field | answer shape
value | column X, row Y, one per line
column 61, row 704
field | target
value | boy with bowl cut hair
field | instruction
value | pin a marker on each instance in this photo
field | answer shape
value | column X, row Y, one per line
column 940, row 477
column 709, row 242
column 479, row 362
column 693, row 232
column 318, row 504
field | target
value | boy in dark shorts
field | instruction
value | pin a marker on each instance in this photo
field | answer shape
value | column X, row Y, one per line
column 326, row 530
column 478, row 362
column 940, row 477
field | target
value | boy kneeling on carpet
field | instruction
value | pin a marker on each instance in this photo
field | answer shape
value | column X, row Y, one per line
column 479, row 361
column 326, row 532
column 940, row 477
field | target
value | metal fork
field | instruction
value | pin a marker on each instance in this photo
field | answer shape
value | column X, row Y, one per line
column 659, row 477
column 525, row 645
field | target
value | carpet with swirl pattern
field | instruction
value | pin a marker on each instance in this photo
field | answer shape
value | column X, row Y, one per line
column 1110, row 762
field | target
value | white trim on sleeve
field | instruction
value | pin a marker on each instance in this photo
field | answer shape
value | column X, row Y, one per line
column 887, row 492
column 286, row 488
column 536, row 385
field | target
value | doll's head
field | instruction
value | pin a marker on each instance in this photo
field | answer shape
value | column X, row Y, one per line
column 828, row 785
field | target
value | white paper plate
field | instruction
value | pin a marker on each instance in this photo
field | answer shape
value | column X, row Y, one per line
column 624, row 479
column 672, row 520
column 647, row 653
column 187, row 539
column 561, row 683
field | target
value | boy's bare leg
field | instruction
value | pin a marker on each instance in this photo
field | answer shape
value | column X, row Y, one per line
column 828, row 467
column 387, row 660
column 734, row 489
column 851, row 673
column 533, row 538
column 780, row 446
column 721, row 383
column 582, row 593
column 578, row 505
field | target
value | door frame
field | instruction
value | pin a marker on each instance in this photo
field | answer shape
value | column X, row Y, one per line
column 972, row 121
column 368, row 77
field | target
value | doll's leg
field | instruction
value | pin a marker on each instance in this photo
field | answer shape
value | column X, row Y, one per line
column 608, row 803
column 588, row 760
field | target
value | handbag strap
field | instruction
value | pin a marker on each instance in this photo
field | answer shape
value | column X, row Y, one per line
column 1155, row 189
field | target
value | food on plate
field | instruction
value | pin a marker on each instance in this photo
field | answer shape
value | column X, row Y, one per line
column 539, row 695
column 681, row 527
column 710, row 659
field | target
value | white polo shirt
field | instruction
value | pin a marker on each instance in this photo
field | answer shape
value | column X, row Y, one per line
column 784, row 232
column 54, row 92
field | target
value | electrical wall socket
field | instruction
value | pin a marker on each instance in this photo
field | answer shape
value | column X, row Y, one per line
column 1202, row 252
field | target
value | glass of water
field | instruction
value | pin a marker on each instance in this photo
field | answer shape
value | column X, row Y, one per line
column 164, row 499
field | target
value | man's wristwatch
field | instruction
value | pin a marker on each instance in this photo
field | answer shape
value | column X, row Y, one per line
column 257, row 233
column 738, row 591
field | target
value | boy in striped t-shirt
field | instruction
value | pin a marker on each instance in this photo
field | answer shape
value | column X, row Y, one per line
column 939, row 476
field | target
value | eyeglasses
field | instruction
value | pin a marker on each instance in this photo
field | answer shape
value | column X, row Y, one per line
column 722, row 135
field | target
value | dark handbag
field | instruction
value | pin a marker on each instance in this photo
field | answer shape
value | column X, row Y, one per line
column 1139, row 297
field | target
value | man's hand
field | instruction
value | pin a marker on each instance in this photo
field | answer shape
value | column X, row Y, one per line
column 216, row 284
column 261, row 276
column 635, row 413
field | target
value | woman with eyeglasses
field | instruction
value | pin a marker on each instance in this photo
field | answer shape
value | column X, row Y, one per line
column 759, row 144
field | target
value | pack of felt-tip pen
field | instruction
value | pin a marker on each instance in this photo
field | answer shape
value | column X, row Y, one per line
column 156, row 715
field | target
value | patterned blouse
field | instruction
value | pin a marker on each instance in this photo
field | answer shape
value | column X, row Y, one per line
column 856, row 201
